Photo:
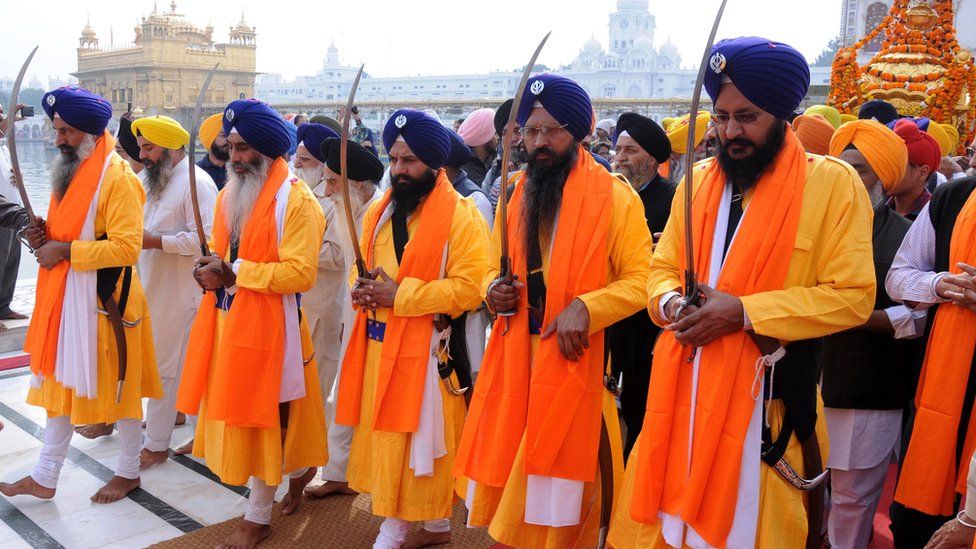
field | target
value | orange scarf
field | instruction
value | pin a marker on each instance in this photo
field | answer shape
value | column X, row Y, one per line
column 703, row 493
column 931, row 474
column 554, row 402
column 247, row 371
column 65, row 220
column 406, row 345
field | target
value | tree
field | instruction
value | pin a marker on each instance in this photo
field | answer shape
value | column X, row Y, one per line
column 826, row 57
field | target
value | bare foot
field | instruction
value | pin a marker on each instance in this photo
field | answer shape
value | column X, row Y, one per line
column 115, row 489
column 148, row 458
column 180, row 419
column 328, row 488
column 26, row 486
column 95, row 431
column 289, row 503
column 423, row 538
column 247, row 535
column 14, row 315
column 185, row 449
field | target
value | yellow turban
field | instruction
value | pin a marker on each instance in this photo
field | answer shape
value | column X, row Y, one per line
column 885, row 152
column 210, row 128
column 162, row 131
column 678, row 132
column 954, row 136
column 814, row 133
column 845, row 118
column 940, row 135
column 831, row 114
column 666, row 122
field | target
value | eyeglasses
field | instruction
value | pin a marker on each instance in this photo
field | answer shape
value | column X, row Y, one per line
column 531, row 133
column 741, row 118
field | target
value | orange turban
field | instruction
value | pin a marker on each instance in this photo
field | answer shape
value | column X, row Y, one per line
column 814, row 133
column 885, row 152
column 210, row 128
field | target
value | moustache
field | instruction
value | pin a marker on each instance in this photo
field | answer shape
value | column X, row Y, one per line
column 67, row 149
column 740, row 141
column 244, row 166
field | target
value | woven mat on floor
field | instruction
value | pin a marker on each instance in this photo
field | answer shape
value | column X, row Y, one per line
column 333, row 522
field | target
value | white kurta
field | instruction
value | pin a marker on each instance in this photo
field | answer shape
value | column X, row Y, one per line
column 172, row 294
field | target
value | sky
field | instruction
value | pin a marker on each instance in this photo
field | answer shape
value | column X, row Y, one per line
column 407, row 38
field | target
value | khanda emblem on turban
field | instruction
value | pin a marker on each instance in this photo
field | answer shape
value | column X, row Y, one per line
column 50, row 100
column 717, row 63
column 537, row 87
column 230, row 114
column 400, row 121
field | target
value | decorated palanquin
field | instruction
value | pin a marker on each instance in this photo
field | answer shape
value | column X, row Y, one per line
column 921, row 69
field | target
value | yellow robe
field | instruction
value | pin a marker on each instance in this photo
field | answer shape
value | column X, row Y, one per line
column 118, row 214
column 629, row 248
column 830, row 287
column 236, row 453
column 379, row 461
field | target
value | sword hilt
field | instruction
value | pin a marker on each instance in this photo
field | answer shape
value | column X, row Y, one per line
column 118, row 391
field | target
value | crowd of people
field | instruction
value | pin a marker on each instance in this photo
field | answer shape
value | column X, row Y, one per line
column 547, row 359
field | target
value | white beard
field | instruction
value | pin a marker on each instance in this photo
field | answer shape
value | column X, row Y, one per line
column 65, row 165
column 240, row 194
column 311, row 176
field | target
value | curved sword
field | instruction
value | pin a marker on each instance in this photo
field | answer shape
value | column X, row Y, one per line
column 12, row 136
column 505, row 269
column 692, row 293
column 344, row 177
column 194, row 129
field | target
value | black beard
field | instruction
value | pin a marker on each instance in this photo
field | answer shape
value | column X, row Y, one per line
column 220, row 154
column 490, row 150
column 747, row 171
column 408, row 192
column 543, row 195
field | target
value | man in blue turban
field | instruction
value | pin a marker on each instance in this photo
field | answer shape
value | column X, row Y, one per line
column 783, row 240
column 579, row 249
column 425, row 250
column 268, row 232
column 87, row 254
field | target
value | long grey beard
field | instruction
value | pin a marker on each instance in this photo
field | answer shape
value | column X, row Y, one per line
column 311, row 176
column 241, row 192
column 876, row 194
column 66, row 164
column 158, row 177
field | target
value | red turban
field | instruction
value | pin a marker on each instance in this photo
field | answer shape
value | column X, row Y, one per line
column 923, row 149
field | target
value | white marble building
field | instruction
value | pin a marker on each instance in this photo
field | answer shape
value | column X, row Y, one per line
column 630, row 67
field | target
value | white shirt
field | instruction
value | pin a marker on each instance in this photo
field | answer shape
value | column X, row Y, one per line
column 172, row 294
column 912, row 276
column 7, row 188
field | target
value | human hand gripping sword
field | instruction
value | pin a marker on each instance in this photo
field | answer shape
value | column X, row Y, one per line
column 505, row 274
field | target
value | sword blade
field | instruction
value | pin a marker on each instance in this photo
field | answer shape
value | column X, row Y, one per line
column 12, row 136
column 506, row 155
column 194, row 129
column 344, row 177
column 691, row 279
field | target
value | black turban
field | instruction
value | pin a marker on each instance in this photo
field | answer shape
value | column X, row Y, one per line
column 363, row 164
column 501, row 116
column 127, row 139
column 647, row 133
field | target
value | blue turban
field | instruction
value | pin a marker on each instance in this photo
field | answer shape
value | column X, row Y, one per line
column 460, row 153
column 563, row 98
column 879, row 110
column 260, row 126
column 426, row 137
column 773, row 76
column 79, row 108
column 312, row 135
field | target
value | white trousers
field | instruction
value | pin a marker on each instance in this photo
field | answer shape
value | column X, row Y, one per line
column 393, row 531
column 161, row 416
column 261, row 499
column 340, row 438
column 57, row 438
column 854, row 497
